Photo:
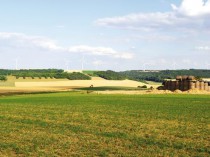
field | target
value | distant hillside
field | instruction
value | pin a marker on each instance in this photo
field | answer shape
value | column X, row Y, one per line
column 137, row 75
column 159, row 76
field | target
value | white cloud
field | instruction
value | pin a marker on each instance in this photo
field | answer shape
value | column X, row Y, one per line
column 92, row 50
column 203, row 48
column 124, row 55
column 22, row 41
column 101, row 51
column 189, row 16
column 97, row 62
column 193, row 7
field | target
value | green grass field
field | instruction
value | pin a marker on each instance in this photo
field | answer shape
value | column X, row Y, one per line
column 75, row 124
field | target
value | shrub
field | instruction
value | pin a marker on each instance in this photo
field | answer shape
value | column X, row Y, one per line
column 110, row 75
column 3, row 78
column 78, row 76
column 144, row 86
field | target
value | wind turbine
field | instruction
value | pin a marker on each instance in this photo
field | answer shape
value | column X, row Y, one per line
column 82, row 62
column 174, row 65
column 208, row 66
column 16, row 63
column 66, row 64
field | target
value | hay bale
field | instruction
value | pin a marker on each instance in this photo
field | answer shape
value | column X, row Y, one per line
column 185, row 85
column 176, row 84
column 191, row 85
column 179, row 78
column 197, row 85
column 201, row 85
column 166, row 85
column 173, row 85
column 206, row 86
column 191, row 77
column 170, row 85
column 185, row 77
column 181, row 85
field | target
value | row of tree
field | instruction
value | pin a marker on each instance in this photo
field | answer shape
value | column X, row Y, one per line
column 46, row 73
column 110, row 75
column 137, row 75
column 159, row 76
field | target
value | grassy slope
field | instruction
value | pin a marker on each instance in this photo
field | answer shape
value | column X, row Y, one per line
column 67, row 124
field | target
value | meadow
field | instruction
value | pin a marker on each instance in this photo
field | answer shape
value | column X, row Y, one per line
column 79, row 124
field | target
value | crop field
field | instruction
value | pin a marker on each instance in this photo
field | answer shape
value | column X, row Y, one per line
column 81, row 83
column 78, row 124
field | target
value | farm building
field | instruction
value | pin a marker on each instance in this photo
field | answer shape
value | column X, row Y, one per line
column 185, row 83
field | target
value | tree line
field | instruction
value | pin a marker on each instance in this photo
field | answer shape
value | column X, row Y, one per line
column 110, row 75
column 40, row 73
column 137, row 75
column 159, row 76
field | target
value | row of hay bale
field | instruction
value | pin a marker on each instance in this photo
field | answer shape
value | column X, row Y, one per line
column 185, row 77
column 185, row 83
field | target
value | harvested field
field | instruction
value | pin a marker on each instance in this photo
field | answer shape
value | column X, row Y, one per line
column 97, row 78
column 206, row 79
column 80, row 83
column 22, row 90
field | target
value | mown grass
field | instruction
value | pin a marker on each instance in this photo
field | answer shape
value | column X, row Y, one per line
column 73, row 124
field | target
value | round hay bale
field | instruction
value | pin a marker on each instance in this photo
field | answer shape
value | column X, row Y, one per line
column 173, row 85
column 176, row 84
column 186, row 85
column 170, row 85
column 181, row 85
column 191, row 85
column 191, row 77
column 179, row 78
column 166, row 84
column 185, row 77
column 197, row 85
column 201, row 85
column 206, row 86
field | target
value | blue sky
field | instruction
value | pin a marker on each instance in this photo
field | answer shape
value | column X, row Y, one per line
column 105, row 34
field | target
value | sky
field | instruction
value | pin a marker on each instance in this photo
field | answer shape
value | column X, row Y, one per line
column 105, row 34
